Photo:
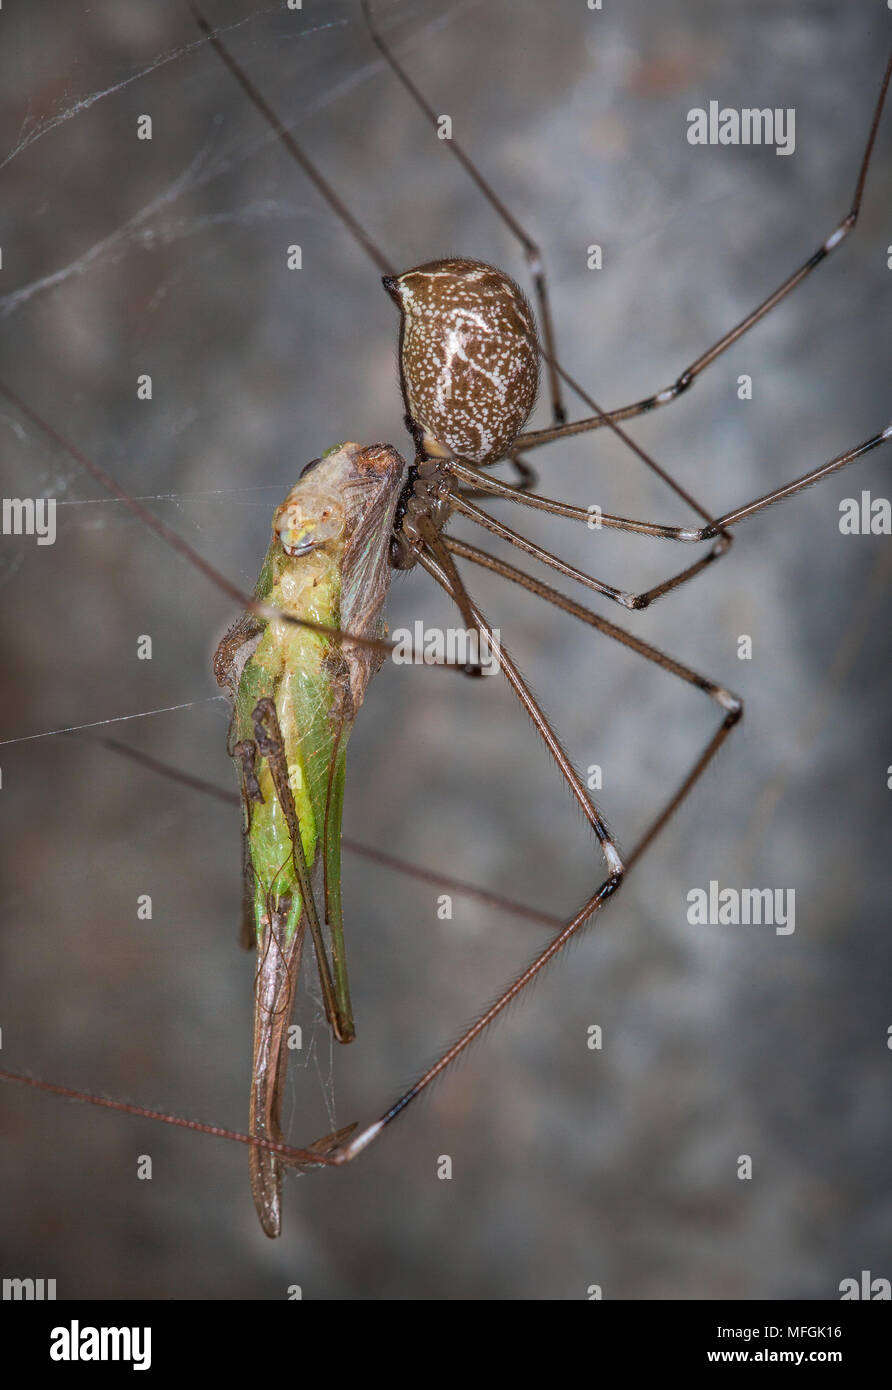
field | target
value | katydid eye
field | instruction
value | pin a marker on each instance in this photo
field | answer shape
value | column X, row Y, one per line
column 308, row 466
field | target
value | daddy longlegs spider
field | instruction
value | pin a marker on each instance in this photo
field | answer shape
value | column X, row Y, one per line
column 462, row 550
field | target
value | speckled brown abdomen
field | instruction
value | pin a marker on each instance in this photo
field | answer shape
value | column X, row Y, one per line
column 469, row 358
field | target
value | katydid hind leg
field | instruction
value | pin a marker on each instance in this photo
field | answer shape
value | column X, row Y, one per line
column 278, row 968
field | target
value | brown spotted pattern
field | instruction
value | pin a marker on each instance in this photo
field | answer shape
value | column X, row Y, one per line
column 469, row 360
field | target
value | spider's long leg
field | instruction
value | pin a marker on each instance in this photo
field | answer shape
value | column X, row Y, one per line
column 434, row 543
column 447, row 882
column 600, row 418
column 486, row 486
column 125, row 1107
column 725, row 699
column 732, row 711
column 335, row 202
column 354, row 226
column 181, row 546
column 815, row 475
column 716, row 530
column 178, row 543
column 543, row 728
column 531, row 250
column 527, row 476
column 626, row 600
column 380, row 260
column 556, row 372
column 346, row 1144
column 505, row 533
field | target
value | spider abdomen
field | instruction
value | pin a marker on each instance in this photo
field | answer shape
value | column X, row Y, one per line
column 469, row 359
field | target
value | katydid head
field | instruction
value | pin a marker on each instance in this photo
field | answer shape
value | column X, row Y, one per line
column 330, row 499
column 300, row 532
column 469, row 357
column 314, row 513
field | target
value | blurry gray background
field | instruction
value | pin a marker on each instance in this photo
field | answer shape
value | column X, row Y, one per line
column 570, row 1167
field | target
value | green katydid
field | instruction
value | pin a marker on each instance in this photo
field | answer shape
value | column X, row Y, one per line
column 296, row 695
